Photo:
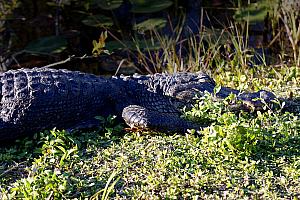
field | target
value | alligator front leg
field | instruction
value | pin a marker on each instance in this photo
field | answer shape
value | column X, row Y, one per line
column 140, row 117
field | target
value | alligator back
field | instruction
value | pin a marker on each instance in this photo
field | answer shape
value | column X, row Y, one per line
column 37, row 99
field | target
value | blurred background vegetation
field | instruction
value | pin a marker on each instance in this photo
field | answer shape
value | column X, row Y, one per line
column 147, row 36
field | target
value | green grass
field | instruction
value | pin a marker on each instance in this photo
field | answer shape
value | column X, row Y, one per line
column 238, row 156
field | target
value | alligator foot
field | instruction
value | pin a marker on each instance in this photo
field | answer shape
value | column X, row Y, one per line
column 140, row 117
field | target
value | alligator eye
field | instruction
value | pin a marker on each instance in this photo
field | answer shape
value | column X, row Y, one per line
column 266, row 95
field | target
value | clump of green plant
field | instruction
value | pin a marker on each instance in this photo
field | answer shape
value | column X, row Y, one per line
column 242, row 133
column 51, row 161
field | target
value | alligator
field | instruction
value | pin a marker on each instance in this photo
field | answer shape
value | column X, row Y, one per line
column 37, row 99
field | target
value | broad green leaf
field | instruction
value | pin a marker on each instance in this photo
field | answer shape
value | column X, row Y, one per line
column 98, row 21
column 150, row 24
column 47, row 45
column 256, row 12
column 148, row 6
column 108, row 4
column 119, row 45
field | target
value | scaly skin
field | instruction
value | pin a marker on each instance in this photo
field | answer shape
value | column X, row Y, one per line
column 33, row 100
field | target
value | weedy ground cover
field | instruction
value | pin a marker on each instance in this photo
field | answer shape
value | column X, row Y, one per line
column 244, row 155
